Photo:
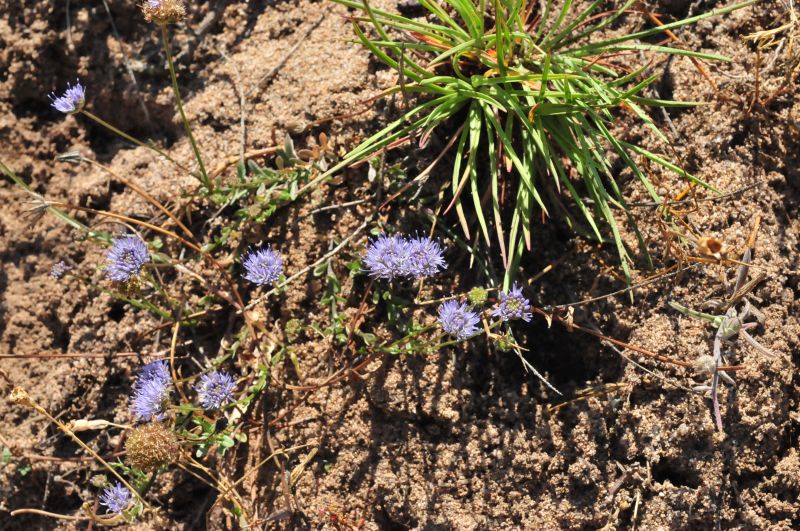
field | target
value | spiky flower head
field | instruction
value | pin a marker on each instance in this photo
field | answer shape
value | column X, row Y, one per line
column 387, row 256
column 151, row 391
column 125, row 259
column 116, row 498
column 425, row 258
column 513, row 305
column 163, row 11
column 71, row 101
column 215, row 389
column 60, row 269
column 458, row 319
column 151, row 446
column 263, row 266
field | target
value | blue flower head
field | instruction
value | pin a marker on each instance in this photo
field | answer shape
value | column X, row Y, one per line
column 263, row 267
column 458, row 319
column 425, row 258
column 125, row 259
column 387, row 256
column 72, row 100
column 151, row 391
column 59, row 269
column 215, row 389
column 155, row 370
column 513, row 305
column 116, row 498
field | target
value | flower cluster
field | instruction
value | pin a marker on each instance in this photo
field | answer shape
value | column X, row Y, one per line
column 215, row 389
column 513, row 305
column 125, row 259
column 71, row 101
column 151, row 391
column 460, row 320
column 60, row 269
column 394, row 256
column 116, row 498
column 263, row 266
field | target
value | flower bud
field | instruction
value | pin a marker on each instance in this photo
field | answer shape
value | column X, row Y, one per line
column 477, row 296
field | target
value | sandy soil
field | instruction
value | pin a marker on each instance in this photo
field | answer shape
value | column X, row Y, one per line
column 463, row 439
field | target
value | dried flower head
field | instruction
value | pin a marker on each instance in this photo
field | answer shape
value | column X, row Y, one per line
column 263, row 266
column 513, row 305
column 458, row 319
column 151, row 391
column 705, row 364
column 151, row 446
column 425, row 258
column 163, row 11
column 60, row 269
column 71, row 101
column 116, row 498
column 387, row 256
column 215, row 389
column 20, row 396
column 125, row 259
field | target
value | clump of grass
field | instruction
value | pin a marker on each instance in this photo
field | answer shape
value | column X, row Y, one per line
column 532, row 90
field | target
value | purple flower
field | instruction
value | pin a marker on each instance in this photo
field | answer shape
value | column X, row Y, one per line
column 115, row 498
column 153, row 4
column 59, row 269
column 155, row 370
column 263, row 267
column 151, row 391
column 458, row 319
column 71, row 101
column 215, row 389
column 513, row 305
column 387, row 256
column 126, row 257
column 425, row 258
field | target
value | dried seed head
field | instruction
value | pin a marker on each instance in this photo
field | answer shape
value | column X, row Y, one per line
column 705, row 364
column 710, row 246
column 163, row 11
column 20, row 396
column 151, row 446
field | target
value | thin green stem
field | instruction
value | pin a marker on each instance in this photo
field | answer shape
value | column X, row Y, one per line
column 203, row 175
column 146, row 487
column 129, row 138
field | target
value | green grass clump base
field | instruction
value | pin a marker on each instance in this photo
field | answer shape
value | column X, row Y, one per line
column 536, row 87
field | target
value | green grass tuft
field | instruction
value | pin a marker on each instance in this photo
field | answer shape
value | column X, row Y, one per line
column 537, row 88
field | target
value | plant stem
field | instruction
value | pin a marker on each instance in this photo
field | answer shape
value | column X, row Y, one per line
column 20, row 396
column 203, row 175
column 139, row 190
column 129, row 138
column 146, row 487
